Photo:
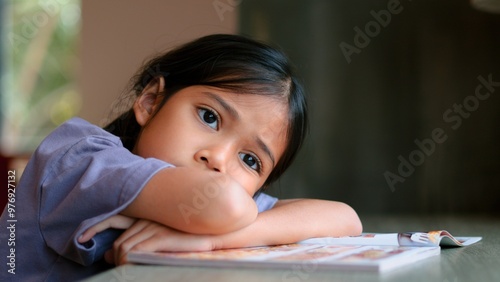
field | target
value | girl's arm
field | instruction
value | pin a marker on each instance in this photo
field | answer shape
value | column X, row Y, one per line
column 288, row 222
column 195, row 201
column 294, row 220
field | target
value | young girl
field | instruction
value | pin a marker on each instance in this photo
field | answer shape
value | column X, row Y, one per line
column 213, row 123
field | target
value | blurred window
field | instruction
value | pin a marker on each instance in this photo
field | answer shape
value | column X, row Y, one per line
column 39, row 69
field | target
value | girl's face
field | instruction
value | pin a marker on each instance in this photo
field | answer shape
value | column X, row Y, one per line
column 241, row 135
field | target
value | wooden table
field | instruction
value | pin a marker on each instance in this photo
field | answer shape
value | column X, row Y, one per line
column 477, row 263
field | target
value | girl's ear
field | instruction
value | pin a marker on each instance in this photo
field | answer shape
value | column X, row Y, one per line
column 149, row 100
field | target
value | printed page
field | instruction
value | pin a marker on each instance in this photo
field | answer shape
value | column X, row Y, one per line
column 370, row 258
column 444, row 238
column 365, row 239
column 414, row 239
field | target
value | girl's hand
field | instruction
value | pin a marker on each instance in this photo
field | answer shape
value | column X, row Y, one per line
column 118, row 222
column 145, row 235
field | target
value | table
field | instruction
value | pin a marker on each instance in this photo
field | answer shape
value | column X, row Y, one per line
column 477, row 263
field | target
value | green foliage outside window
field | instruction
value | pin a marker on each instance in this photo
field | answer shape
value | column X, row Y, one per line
column 40, row 65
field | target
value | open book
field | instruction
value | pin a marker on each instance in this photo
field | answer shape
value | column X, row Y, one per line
column 368, row 252
column 414, row 239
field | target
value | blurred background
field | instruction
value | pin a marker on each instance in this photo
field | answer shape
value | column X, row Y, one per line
column 404, row 106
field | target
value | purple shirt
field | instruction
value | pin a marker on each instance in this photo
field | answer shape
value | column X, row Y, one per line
column 78, row 176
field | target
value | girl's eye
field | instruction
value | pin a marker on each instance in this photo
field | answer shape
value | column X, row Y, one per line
column 251, row 161
column 209, row 117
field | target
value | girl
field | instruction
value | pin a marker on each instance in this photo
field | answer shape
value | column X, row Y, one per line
column 213, row 123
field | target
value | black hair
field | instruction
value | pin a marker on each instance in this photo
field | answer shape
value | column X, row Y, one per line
column 228, row 62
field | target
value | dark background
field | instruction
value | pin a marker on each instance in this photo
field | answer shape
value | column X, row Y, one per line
column 367, row 113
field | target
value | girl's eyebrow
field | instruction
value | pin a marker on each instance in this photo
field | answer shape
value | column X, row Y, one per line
column 235, row 115
column 265, row 148
column 223, row 104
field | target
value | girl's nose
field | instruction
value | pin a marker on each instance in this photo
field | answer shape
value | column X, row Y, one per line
column 215, row 158
column 210, row 164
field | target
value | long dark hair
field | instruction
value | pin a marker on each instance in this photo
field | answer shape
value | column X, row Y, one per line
column 228, row 62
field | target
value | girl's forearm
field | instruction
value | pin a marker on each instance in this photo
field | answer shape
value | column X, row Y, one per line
column 294, row 220
column 288, row 222
column 194, row 201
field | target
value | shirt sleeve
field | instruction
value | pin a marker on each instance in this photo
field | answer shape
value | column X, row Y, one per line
column 264, row 201
column 90, row 181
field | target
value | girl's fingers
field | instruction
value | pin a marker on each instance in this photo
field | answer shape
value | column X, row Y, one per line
column 175, row 241
column 129, row 239
column 161, row 238
column 117, row 221
column 146, row 235
column 137, row 227
column 153, row 237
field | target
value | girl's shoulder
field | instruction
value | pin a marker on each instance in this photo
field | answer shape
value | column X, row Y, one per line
column 79, row 127
column 76, row 133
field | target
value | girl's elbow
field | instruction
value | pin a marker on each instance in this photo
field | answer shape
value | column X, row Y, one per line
column 355, row 227
column 230, row 210
column 238, row 215
column 239, row 209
